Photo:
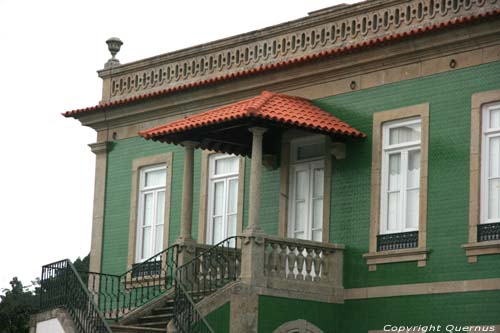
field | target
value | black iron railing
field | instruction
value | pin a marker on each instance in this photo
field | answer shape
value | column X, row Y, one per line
column 188, row 318
column 488, row 232
column 119, row 294
column 200, row 277
column 62, row 287
column 402, row 240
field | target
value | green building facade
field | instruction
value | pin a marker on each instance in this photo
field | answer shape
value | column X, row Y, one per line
column 399, row 223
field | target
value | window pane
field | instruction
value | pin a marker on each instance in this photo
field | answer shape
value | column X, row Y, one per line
column 493, row 198
column 413, row 177
column 309, row 151
column 148, row 209
column 393, row 210
column 217, row 230
column 160, row 207
column 495, row 118
column 406, row 133
column 231, row 226
column 146, row 243
column 300, row 215
column 317, row 213
column 226, row 165
column 301, row 184
column 299, row 235
column 412, row 208
column 232, row 205
column 494, row 157
column 158, row 238
column 394, row 172
column 318, row 183
column 156, row 178
column 218, row 198
column 317, row 235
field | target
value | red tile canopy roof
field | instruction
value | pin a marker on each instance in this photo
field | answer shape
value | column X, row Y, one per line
column 227, row 125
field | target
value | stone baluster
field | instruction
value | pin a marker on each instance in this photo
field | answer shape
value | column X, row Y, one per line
column 292, row 257
column 318, row 262
column 282, row 261
column 300, row 263
column 309, row 262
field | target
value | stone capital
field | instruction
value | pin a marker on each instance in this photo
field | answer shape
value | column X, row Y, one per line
column 256, row 130
column 100, row 147
column 189, row 144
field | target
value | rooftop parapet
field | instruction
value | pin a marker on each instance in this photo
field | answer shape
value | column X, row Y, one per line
column 323, row 30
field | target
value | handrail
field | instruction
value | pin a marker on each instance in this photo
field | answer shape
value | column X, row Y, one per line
column 120, row 294
column 201, row 276
column 188, row 318
column 61, row 286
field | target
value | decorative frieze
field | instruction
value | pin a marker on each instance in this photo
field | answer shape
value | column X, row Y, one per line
column 323, row 30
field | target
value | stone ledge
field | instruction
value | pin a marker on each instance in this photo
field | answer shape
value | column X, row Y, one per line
column 472, row 250
column 386, row 257
column 60, row 314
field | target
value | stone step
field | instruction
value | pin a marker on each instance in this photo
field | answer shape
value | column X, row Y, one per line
column 164, row 310
column 157, row 317
column 135, row 329
column 153, row 324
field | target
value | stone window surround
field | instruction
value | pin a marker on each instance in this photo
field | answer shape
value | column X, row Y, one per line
column 474, row 248
column 286, row 146
column 137, row 164
column 204, row 178
column 419, row 254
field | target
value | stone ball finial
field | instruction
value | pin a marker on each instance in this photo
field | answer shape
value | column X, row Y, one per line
column 114, row 45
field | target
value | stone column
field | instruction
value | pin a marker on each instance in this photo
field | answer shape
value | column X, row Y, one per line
column 100, row 149
column 255, row 175
column 187, row 192
column 252, row 250
column 187, row 246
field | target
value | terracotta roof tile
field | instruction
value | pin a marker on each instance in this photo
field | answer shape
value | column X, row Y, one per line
column 279, row 108
column 287, row 63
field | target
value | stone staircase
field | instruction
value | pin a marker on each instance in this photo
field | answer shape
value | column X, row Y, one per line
column 154, row 320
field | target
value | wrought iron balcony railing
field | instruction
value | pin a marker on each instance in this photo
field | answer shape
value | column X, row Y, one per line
column 207, row 272
column 117, row 295
column 488, row 232
column 397, row 241
column 62, row 287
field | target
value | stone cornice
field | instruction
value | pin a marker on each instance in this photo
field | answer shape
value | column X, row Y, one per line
column 322, row 30
column 152, row 112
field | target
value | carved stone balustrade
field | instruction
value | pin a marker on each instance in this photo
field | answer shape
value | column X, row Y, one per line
column 299, row 265
column 331, row 28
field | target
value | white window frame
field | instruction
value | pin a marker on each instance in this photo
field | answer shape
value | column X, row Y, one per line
column 387, row 150
column 486, row 134
column 314, row 162
column 142, row 191
column 226, row 178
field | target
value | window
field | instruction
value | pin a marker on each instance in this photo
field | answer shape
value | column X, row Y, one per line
column 222, row 197
column 398, row 214
column 151, row 212
column 307, row 189
column 484, row 200
column 490, row 164
column 400, row 176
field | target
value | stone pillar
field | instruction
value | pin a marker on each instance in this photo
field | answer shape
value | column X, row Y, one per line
column 255, row 175
column 100, row 149
column 335, row 273
column 187, row 193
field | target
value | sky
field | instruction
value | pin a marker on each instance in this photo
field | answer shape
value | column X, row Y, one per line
column 49, row 53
